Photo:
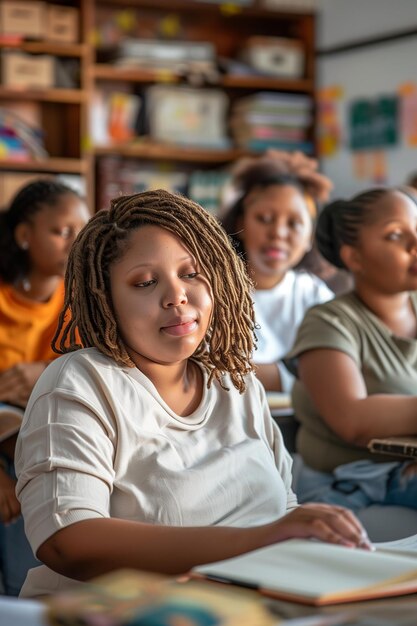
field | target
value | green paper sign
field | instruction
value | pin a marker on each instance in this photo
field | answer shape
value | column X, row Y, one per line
column 373, row 123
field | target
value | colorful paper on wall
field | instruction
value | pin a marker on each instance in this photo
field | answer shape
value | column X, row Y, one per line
column 329, row 125
column 408, row 95
column 373, row 123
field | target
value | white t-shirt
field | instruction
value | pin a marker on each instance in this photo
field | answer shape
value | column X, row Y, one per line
column 279, row 312
column 99, row 441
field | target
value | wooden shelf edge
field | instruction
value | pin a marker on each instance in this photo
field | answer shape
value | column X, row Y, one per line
column 47, row 47
column 269, row 82
column 138, row 75
column 158, row 151
column 55, row 165
column 226, row 9
column 46, row 95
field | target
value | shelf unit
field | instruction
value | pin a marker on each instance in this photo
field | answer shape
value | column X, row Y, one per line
column 61, row 113
column 64, row 113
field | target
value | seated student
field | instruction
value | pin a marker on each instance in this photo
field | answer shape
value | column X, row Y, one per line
column 153, row 447
column 356, row 356
column 36, row 233
column 271, row 226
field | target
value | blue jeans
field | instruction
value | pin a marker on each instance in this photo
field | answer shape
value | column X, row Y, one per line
column 16, row 555
column 358, row 485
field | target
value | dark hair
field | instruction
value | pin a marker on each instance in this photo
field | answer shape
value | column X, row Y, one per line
column 260, row 175
column 88, row 308
column 412, row 180
column 340, row 221
column 14, row 261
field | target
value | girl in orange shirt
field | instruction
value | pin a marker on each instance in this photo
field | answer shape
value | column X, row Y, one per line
column 36, row 234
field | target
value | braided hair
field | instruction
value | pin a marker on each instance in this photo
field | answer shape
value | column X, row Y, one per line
column 340, row 221
column 260, row 174
column 229, row 341
column 14, row 261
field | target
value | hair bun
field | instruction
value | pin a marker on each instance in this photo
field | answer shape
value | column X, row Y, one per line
column 327, row 236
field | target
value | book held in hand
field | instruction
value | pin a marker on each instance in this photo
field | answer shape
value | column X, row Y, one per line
column 398, row 446
column 316, row 573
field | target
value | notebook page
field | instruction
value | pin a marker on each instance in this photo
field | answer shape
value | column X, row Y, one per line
column 313, row 569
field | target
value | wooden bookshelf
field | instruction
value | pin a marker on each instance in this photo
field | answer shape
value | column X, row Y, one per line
column 60, row 114
column 64, row 114
column 227, row 26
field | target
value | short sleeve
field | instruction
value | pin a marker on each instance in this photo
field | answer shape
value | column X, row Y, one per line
column 324, row 327
column 64, row 462
column 286, row 378
column 324, row 294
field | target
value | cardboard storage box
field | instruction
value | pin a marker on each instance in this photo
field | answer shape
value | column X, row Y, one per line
column 187, row 116
column 62, row 24
column 277, row 56
column 27, row 71
column 23, row 18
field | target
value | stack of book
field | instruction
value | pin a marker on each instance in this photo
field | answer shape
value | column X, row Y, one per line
column 273, row 120
column 18, row 140
column 206, row 188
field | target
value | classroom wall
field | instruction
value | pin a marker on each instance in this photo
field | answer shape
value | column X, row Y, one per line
column 369, row 73
column 343, row 21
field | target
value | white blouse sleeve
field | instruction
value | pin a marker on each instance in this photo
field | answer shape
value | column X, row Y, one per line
column 64, row 462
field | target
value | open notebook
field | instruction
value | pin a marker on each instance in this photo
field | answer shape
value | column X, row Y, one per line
column 311, row 572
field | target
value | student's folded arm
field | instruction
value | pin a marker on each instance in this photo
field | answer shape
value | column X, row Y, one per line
column 337, row 389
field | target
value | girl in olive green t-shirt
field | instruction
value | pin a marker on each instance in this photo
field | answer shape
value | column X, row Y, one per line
column 356, row 356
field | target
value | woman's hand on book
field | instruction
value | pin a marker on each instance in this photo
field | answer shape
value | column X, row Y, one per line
column 333, row 524
column 9, row 504
column 17, row 382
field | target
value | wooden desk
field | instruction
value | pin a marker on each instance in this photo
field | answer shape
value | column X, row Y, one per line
column 399, row 611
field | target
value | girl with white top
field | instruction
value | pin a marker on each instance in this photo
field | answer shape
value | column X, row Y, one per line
column 152, row 447
column 271, row 226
